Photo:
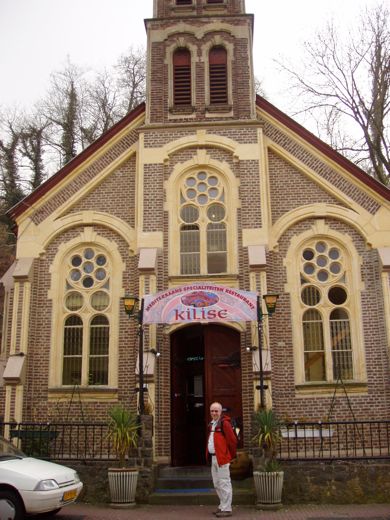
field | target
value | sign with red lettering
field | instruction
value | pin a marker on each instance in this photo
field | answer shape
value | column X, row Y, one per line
column 200, row 302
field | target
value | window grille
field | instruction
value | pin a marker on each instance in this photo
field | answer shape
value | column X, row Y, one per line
column 182, row 77
column 218, row 76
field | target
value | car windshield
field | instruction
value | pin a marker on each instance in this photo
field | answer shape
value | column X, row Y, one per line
column 8, row 451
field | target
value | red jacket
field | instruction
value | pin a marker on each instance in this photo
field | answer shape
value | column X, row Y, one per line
column 225, row 441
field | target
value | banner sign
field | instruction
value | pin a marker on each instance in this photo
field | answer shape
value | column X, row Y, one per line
column 200, row 302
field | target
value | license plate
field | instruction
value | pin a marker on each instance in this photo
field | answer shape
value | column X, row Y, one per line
column 69, row 495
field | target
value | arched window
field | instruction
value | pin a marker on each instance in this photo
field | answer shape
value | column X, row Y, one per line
column 182, row 77
column 203, row 222
column 325, row 302
column 218, row 75
column 87, row 308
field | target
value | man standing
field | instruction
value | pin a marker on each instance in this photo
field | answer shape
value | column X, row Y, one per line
column 221, row 446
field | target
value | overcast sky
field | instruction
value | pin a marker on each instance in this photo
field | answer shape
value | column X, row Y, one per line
column 37, row 36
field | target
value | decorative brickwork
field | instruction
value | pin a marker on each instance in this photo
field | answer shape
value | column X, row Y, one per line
column 86, row 176
column 322, row 169
column 284, row 178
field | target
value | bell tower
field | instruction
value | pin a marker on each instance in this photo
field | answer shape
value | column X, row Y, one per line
column 199, row 62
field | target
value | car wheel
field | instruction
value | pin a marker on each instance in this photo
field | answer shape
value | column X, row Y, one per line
column 12, row 505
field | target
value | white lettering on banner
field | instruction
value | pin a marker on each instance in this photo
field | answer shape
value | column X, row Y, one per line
column 200, row 302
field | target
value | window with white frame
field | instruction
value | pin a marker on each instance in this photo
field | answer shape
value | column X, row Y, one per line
column 325, row 302
column 203, row 224
column 86, row 317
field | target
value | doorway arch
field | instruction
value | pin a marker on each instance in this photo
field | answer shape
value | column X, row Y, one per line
column 205, row 367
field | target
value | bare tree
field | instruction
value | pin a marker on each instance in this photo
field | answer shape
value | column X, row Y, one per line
column 131, row 70
column 62, row 108
column 32, row 146
column 345, row 87
column 101, row 108
column 10, row 183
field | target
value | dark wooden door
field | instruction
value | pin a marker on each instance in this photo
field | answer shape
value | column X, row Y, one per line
column 205, row 363
column 223, row 372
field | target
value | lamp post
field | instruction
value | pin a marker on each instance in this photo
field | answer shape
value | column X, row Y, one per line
column 130, row 304
column 270, row 302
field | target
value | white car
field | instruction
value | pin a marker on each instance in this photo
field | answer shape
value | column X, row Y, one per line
column 33, row 486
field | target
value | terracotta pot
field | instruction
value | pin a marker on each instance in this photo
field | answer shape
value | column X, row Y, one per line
column 123, row 486
column 241, row 467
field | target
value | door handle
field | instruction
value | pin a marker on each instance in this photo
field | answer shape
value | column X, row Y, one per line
column 177, row 395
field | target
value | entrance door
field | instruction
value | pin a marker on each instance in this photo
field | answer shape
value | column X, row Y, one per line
column 206, row 367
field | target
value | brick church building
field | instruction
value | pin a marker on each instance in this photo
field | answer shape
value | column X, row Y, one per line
column 206, row 185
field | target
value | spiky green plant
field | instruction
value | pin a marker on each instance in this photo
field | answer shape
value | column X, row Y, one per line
column 268, row 436
column 123, row 432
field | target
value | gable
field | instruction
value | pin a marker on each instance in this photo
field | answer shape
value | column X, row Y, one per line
column 290, row 188
column 330, row 166
column 81, row 170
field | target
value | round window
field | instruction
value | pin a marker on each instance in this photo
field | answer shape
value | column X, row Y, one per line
column 311, row 295
column 74, row 301
column 309, row 269
column 216, row 212
column 320, row 247
column 308, row 254
column 88, row 282
column 322, row 276
column 337, row 295
column 100, row 300
column 101, row 260
column 189, row 214
column 76, row 260
column 89, row 253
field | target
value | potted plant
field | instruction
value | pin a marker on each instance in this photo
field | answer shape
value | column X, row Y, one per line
column 267, row 475
column 123, row 433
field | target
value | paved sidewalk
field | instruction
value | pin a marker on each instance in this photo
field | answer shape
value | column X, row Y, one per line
column 303, row 512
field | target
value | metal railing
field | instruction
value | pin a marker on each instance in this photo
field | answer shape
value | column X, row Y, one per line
column 61, row 441
column 341, row 440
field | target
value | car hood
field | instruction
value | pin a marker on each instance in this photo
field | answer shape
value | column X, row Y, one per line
column 29, row 471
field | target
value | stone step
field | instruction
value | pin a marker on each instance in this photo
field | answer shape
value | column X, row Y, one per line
column 201, row 496
column 197, row 482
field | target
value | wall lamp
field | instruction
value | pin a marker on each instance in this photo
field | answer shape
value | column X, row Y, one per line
column 251, row 349
column 133, row 308
column 270, row 303
column 155, row 352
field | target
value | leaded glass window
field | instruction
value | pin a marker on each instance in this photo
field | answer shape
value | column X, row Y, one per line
column 326, row 333
column 87, row 308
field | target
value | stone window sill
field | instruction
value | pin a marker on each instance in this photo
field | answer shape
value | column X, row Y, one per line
column 216, row 109
column 180, row 9
column 327, row 389
column 90, row 393
column 182, row 110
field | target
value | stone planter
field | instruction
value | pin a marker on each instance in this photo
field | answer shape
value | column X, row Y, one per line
column 269, row 486
column 123, row 486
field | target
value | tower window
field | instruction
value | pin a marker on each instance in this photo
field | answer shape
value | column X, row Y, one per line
column 184, row 2
column 218, row 76
column 182, row 77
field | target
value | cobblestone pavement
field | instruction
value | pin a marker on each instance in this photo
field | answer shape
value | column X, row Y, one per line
column 302, row 512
